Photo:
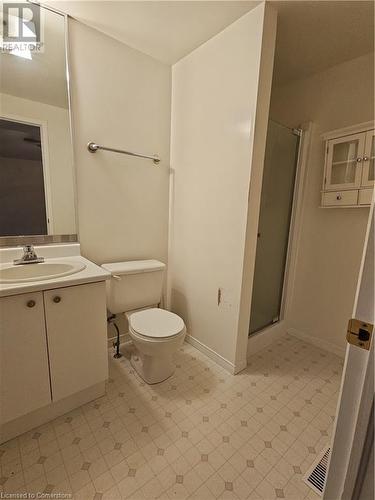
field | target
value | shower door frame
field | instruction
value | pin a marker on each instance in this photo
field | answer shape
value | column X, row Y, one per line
column 295, row 227
column 304, row 132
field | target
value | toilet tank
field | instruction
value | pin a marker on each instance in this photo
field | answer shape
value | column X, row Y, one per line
column 134, row 284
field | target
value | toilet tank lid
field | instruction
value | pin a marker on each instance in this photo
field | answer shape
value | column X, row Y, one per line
column 133, row 266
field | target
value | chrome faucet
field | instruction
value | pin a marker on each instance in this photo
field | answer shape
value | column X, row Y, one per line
column 29, row 256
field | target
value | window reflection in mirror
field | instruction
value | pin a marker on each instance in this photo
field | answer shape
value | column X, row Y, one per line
column 36, row 161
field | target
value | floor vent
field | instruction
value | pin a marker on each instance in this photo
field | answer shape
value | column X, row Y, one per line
column 316, row 475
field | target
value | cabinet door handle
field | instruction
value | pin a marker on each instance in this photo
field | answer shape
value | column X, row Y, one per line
column 57, row 299
column 339, row 197
column 365, row 158
column 359, row 159
column 31, row 303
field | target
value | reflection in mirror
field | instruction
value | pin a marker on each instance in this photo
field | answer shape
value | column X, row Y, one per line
column 22, row 192
column 36, row 161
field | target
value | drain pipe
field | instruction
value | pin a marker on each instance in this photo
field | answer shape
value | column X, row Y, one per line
column 111, row 320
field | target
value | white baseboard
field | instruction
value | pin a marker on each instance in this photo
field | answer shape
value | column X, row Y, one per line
column 264, row 338
column 238, row 367
column 323, row 344
column 210, row 353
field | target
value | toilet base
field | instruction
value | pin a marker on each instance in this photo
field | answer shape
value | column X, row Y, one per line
column 152, row 369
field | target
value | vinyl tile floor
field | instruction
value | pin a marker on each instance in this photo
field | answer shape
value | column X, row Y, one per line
column 202, row 434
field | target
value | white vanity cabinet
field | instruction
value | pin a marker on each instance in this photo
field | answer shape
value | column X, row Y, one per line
column 53, row 346
column 24, row 371
column 349, row 167
column 76, row 332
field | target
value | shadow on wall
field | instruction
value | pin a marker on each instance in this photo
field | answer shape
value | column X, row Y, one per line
column 179, row 305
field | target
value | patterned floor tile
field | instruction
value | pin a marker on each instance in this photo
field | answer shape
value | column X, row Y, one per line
column 202, row 434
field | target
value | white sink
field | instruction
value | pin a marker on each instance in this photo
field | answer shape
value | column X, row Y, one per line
column 37, row 272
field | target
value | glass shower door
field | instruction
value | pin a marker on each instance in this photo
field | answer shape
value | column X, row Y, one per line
column 279, row 175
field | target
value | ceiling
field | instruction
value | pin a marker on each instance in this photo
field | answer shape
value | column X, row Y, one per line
column 315, row 35
column 165, row 30
column 312, row 35
column 43, row 77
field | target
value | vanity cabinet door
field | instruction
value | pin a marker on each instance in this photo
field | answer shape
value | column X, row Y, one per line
column 77, row 337
column 24, row 372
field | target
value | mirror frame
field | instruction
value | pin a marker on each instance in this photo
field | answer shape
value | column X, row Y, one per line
column 46, row 239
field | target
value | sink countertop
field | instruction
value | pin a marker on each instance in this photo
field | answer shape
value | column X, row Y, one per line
column 90, row 274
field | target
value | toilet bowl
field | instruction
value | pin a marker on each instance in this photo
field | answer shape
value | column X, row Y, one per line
column 135, row 289
column 157, row 334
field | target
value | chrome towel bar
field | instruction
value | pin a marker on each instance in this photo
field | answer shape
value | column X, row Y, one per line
column 93, row 148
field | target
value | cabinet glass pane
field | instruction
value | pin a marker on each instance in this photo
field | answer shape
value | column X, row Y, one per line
column 372, row 159
column 345, row 151
column 343, row 173
column 344, row 162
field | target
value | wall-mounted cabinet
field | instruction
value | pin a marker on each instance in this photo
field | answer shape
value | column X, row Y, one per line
column 349, row 167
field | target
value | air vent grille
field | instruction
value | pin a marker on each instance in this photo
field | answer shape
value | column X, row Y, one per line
column 316, row 475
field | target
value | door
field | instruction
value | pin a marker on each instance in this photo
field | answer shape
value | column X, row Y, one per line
column 344, row 160
column 77, row 337
column 24, row 372
column 280, row 165
column 369, row 160
column 357, row 390
column 22, row 183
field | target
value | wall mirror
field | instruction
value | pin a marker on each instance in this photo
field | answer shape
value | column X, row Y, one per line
column 37, row 190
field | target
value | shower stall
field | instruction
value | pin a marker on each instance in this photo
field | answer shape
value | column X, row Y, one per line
column 279, row 175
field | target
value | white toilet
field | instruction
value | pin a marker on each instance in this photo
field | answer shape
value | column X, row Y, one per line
column 135, row 290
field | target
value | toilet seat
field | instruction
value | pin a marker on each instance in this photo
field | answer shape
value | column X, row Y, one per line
column 156, row 324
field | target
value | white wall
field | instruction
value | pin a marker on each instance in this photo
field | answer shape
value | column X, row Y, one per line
column 332, row 240
column 214, row 103
column 120, row 98
column 58, row 147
